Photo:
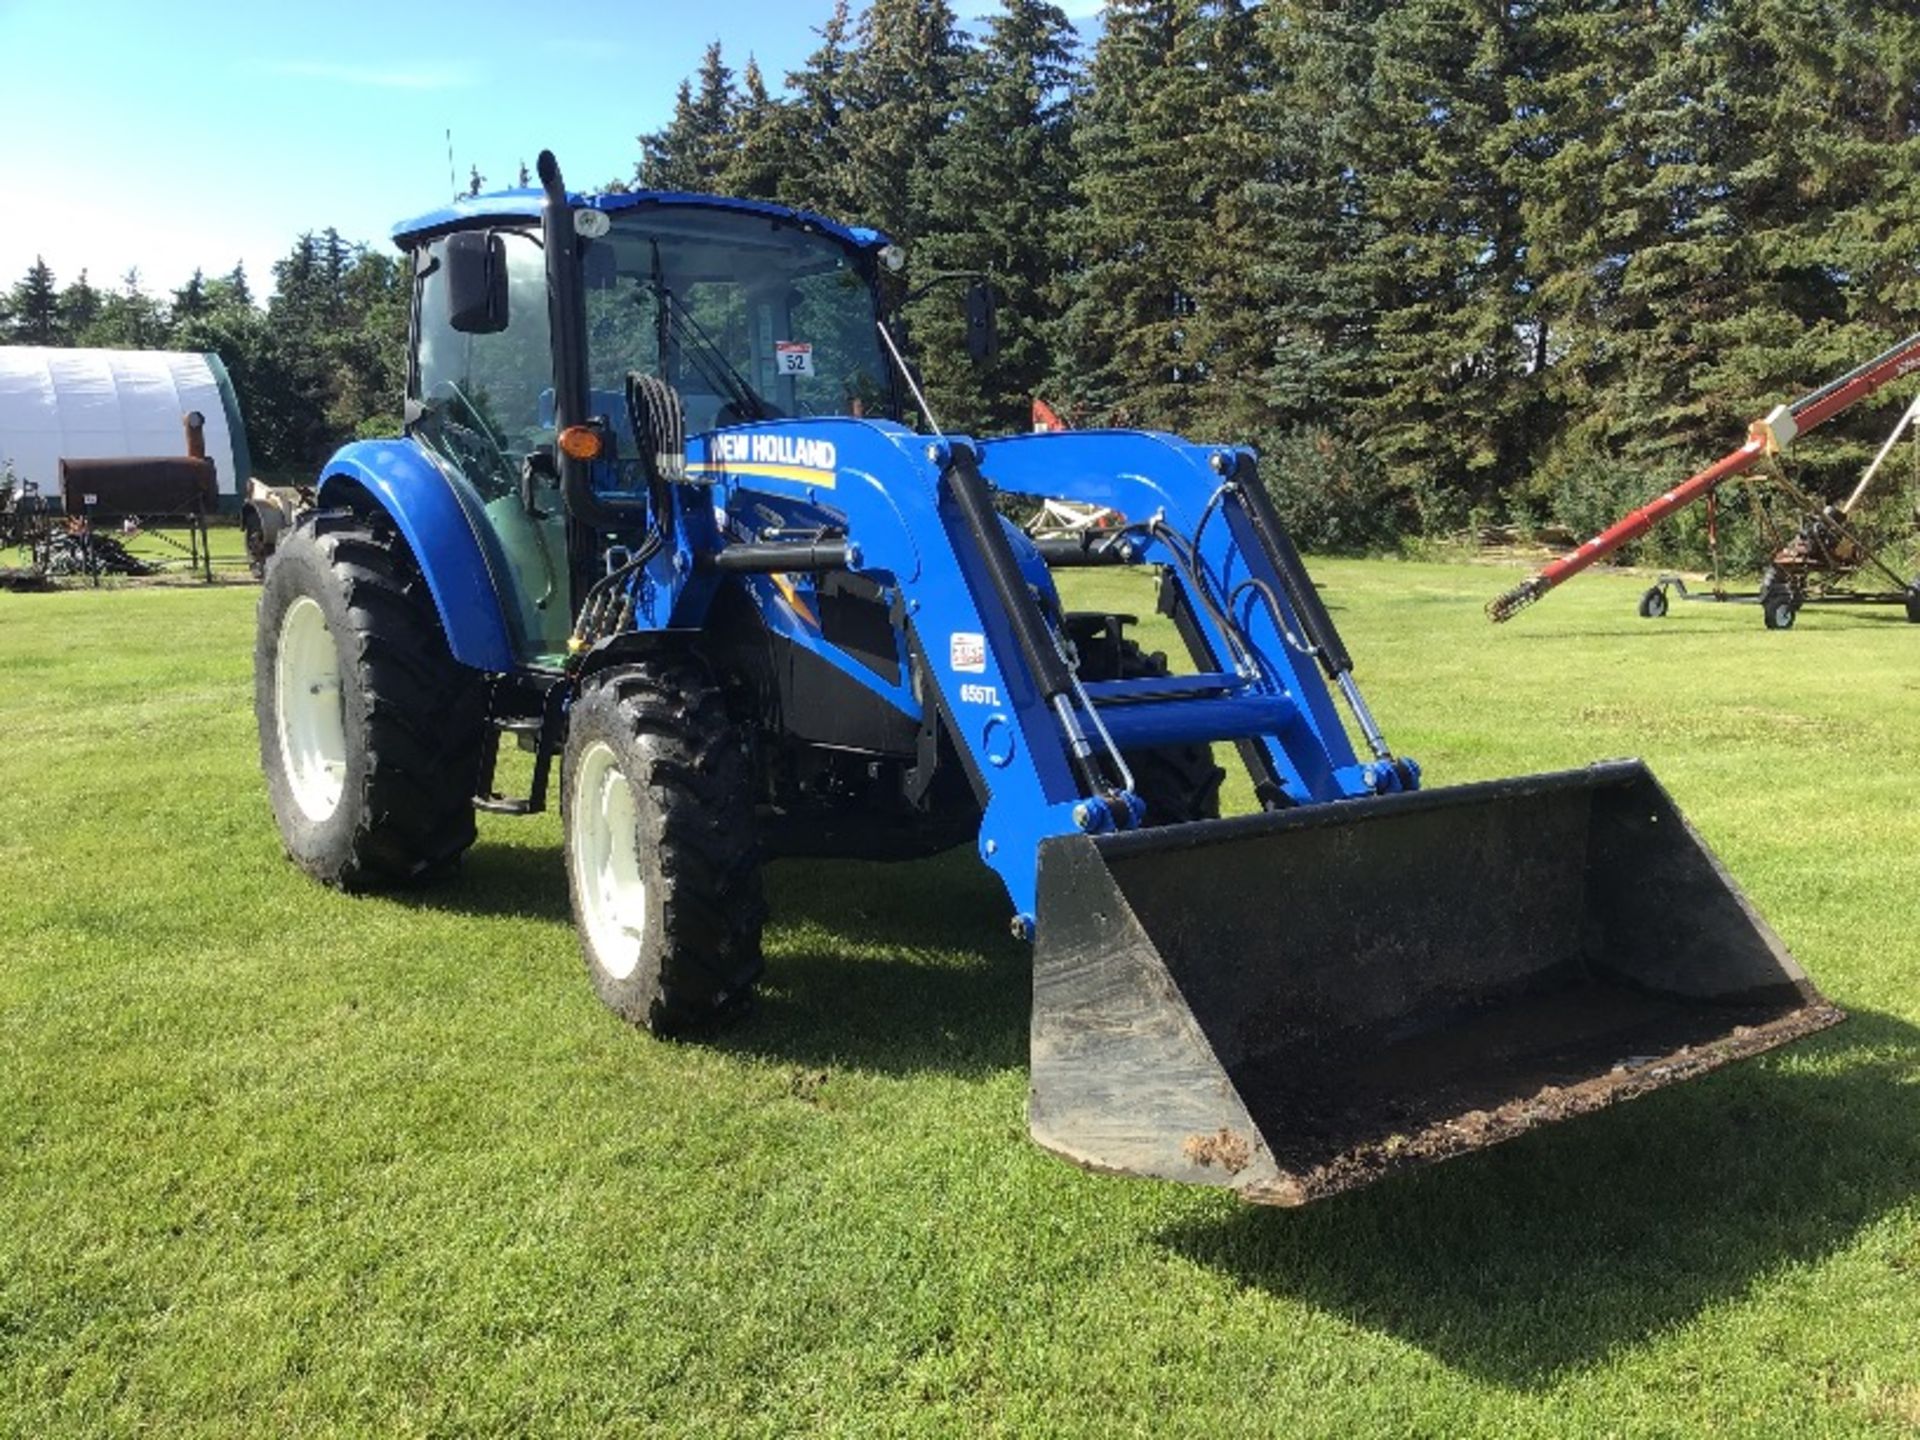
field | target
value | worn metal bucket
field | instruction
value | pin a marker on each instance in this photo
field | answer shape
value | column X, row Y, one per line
column 1296, row 1003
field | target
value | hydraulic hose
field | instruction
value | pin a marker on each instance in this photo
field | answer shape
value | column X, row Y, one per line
column 1302, row 595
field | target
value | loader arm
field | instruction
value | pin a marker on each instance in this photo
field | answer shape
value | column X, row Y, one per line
column 1291, row 1003
column 917, row 516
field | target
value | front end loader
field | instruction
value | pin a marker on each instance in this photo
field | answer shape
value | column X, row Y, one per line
column 658, row 516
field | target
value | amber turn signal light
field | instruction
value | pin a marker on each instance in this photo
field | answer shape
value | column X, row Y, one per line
column 581, row 442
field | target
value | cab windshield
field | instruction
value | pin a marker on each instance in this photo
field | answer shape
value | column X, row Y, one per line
column 749, row 317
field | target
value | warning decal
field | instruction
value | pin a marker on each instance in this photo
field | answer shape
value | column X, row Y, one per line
column 967, row 653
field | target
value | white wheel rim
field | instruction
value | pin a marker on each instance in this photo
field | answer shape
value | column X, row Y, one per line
column 312, row 713
column 613, row 894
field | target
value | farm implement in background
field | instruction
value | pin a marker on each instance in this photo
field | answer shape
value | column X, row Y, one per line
column 658, row 515
column 1828, row 550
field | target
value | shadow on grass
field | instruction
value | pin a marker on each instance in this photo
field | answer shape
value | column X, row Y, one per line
column 1549, row 1253
column 528, row 881
column 897, row 968
column 901, row 968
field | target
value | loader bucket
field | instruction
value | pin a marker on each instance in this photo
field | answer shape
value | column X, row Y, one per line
column 1296, row 1003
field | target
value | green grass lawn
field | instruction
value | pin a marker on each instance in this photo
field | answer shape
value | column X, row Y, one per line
column 280, row 1162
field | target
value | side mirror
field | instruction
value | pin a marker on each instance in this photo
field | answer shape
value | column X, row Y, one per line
column 983, row 322
column 476, row 282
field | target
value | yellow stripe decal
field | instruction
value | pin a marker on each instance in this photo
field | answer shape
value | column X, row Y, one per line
column 804, row 474
column 785, row 587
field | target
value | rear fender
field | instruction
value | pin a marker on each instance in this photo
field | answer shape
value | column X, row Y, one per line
column 443, row 523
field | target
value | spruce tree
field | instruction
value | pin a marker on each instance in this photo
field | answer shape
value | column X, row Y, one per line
column 334, row 259
column 366, row 347
column 79, row 309
column 1307, row 201
column 302, row 323
column 993, row 197
column 1152, row 187
column 902, row 81
column 762, row 141
column 237, row 286
column 690, row 152
column 668, row 155
column 811, row 145
column 33, row 308
column 191, row 299
column 129, row 318
column 298, row 290
column 1217, row 78
column 1816, row 161
column 1442, row 258
column 714, row 103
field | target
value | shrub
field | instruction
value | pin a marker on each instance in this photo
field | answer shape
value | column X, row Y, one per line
column 1332, row 495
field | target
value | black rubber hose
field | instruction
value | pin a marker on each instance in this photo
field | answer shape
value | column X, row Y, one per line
column 1308, row 608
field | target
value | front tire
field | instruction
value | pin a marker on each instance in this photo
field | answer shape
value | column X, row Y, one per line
column 656, row 802
column 1653, row 604
column 370, row 730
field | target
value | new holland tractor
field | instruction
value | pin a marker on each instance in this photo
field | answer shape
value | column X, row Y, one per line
column 660, row 514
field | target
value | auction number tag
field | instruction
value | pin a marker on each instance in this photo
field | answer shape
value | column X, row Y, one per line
column 793, row 357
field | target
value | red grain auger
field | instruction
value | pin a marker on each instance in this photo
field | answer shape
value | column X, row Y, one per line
column 1765, row 437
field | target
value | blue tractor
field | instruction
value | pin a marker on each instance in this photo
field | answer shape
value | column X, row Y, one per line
column 670, row 509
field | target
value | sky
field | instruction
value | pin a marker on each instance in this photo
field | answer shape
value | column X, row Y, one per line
column 200, row 133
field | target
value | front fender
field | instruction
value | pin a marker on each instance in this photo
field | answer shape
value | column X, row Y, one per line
column 442, row 522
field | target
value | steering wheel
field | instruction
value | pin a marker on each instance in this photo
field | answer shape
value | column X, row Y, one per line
column 473, row 445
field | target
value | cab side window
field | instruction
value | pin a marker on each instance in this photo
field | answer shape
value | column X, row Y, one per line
column 485, row 401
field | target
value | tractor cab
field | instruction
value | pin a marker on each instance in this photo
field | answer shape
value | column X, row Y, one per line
column 749, row 313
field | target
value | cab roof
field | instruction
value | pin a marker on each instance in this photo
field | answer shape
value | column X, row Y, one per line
column 525, row 205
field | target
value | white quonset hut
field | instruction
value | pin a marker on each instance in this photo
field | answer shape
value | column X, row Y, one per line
column 109, row 404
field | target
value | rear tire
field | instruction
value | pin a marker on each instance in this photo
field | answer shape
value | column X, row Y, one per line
column 1778, row 610
column 370, row 730
column 656, row 801
column 1913, row 603
column 1178, row 783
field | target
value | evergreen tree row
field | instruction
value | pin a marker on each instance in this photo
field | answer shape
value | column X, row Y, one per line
column 1437, row 258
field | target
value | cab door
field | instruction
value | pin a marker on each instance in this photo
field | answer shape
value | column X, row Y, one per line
column 481, row 398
